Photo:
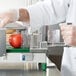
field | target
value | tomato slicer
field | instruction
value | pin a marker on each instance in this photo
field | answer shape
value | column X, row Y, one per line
column 39, row 41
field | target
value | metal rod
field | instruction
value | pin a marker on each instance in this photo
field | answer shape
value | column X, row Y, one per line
column 60, row 44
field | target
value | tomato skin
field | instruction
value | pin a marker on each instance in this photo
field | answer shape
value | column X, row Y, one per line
column 16, row 40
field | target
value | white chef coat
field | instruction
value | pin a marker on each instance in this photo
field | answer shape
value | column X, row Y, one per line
column 51, row 12
column 47, row 12
column 69, row 56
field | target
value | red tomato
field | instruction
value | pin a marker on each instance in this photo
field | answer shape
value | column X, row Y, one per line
column 15, row 40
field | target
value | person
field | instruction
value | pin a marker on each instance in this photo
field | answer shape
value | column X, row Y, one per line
column 50, row 12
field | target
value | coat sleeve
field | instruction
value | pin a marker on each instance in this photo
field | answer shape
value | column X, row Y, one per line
column 47, row 12
column 71, row 15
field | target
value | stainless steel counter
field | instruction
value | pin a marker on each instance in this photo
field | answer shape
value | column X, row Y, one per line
column 22, row 73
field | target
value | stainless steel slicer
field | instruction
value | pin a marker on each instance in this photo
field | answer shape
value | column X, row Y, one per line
column 39, row 41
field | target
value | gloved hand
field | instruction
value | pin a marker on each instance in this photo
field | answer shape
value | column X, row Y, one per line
column 8, row 17
column 69, row 34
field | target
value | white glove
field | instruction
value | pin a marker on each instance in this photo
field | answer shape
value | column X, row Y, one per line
column 69, row 34
column 9, row 16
